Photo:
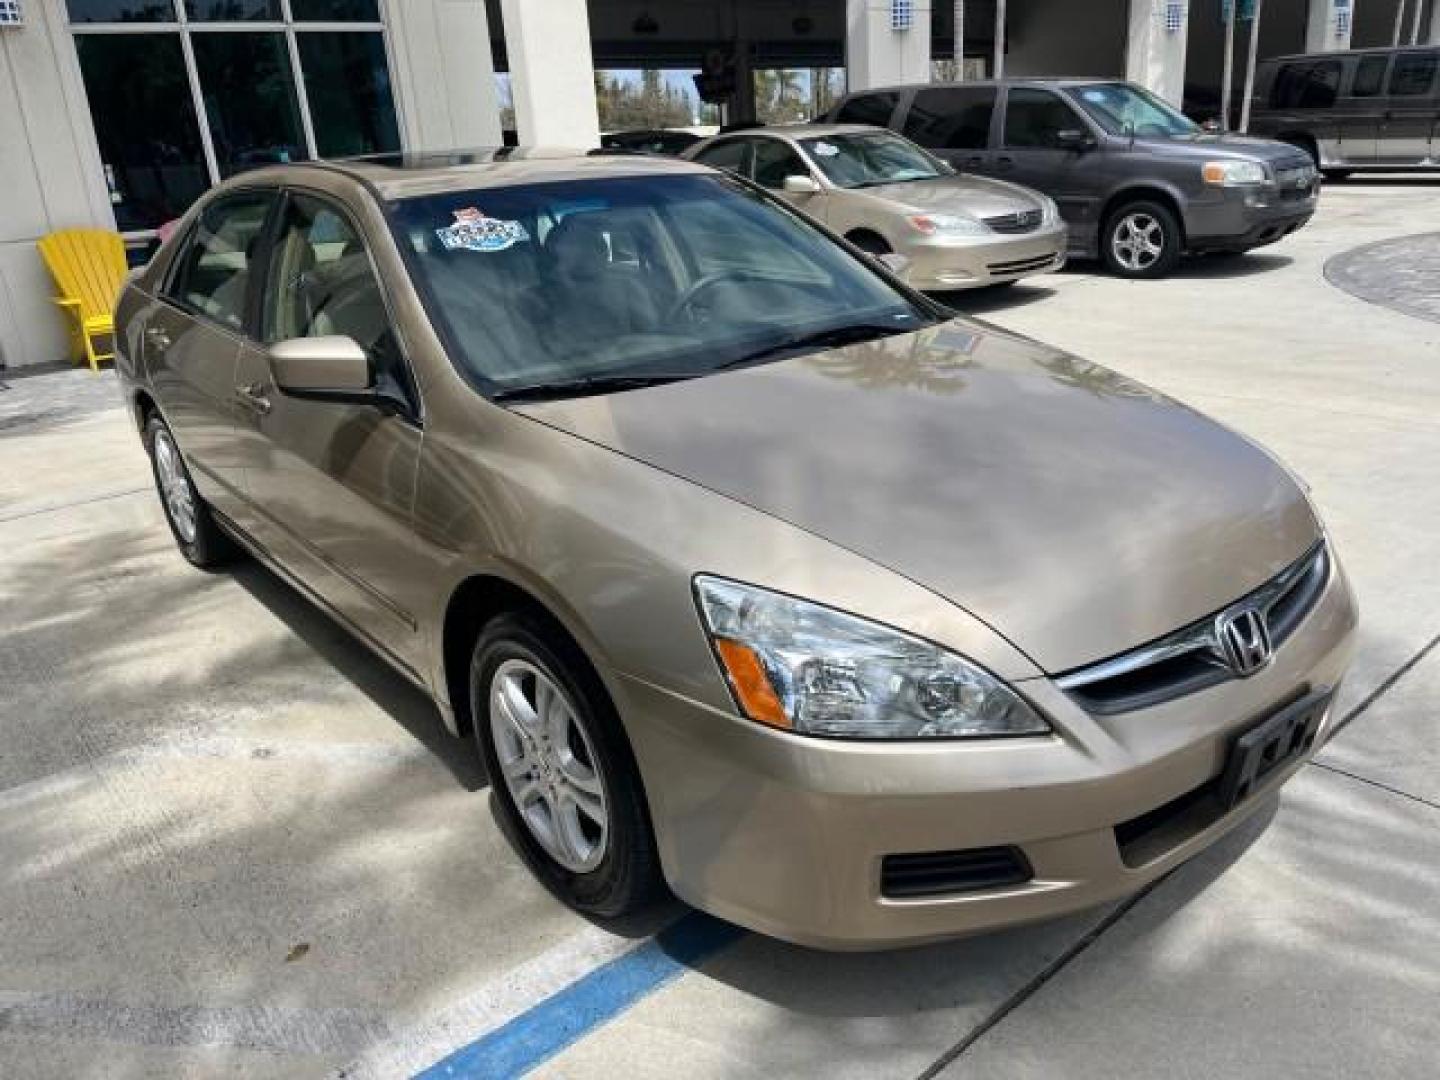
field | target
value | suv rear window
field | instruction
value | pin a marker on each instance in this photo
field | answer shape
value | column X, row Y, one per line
column 951, row 118
column 1413, row 74
column 873, row 109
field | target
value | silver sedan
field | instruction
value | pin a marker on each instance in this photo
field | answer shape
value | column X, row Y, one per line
column 887, row 195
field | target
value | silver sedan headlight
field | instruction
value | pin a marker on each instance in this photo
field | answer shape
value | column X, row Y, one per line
column 1050, row 212
column 817, row 671
column 948, row 225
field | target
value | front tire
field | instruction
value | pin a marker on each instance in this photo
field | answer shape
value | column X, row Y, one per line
column 1141, row 241
column 200, row 539
column 564, row 779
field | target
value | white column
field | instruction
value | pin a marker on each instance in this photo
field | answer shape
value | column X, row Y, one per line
column 1434, row 38
column 552, row 73
column 1329, row 24
column 1154, row 53
column 876, row 54
column 444, row 75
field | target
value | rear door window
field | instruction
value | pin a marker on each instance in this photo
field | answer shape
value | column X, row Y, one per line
column 213, row 272
column 1307, row 85
column 1413, row 74
column 732, row 154
column 951, row 117
column 1370, row 76
column 873, row 109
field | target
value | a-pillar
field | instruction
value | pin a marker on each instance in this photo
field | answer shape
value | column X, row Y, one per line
column 887, row 42
column 552, row 72
column 1328, row 25
column 1155, row 48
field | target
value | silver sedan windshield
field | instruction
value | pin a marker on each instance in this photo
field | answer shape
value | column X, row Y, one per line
column 870, row 159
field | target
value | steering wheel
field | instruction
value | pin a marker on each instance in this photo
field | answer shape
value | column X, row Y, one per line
column 701, row 285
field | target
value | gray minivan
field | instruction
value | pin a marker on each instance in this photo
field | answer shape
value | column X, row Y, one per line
column 1138, row 183
column 1365, row 109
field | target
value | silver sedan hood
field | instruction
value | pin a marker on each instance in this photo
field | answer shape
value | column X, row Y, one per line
column 975, row 195
column 1076, row 512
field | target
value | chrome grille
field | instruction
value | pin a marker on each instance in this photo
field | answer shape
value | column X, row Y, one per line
column 1194, row 657
column 1020, row 266
column 1023, row 222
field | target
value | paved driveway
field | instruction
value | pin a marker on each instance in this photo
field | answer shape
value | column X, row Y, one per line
column 232, row 843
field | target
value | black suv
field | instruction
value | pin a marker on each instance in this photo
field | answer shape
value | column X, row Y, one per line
column 1138, row 183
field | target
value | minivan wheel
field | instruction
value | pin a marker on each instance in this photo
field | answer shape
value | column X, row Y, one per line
column 1141, row 240
column 199, row 538
column 564, row 780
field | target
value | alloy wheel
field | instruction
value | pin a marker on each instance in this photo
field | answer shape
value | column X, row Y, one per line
column 175, row 486
column 1137, row 241
column 549, row 765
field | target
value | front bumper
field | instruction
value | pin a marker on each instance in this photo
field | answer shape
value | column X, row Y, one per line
column 1242, row 219
column 940, row 263
column 786, row 834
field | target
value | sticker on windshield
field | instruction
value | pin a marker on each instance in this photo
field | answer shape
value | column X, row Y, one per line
column 473, row 231
column 825, row 149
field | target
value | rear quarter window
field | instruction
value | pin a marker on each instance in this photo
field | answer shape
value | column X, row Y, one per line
column 1413, row 74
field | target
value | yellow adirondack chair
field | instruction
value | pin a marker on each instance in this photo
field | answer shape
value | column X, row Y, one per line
column 88, row 266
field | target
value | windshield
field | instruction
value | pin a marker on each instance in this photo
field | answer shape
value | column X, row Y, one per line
column 865, row 160
column 1121, row 108
column 667, row 276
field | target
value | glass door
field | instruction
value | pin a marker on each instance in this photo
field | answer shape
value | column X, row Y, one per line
column 184, row 93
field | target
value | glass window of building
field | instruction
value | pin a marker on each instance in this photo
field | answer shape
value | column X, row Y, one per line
column 184, row 93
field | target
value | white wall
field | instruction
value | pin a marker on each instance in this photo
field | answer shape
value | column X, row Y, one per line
column 876, row 55
column 50, row 178
column 443, row 75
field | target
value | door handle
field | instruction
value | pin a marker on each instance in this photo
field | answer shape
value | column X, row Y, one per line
column 157, row 338
column 253, row 397
column 1004, row 161
column 974, row 160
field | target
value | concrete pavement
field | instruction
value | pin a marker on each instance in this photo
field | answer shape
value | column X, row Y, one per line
column 232, row 842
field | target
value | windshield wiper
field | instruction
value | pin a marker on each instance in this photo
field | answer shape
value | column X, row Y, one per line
column 589, row 386
column 834, row 337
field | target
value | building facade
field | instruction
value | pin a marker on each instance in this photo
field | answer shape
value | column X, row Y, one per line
column 118, row 113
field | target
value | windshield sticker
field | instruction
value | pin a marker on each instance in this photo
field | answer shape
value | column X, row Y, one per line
column 825, row 149
column 473, row 231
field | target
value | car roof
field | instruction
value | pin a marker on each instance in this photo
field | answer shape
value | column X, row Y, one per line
column 1047, row 81
column 801, row 131
column 1381, row 50
column 405, row 175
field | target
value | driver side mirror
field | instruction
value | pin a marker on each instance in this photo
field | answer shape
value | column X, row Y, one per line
column 326, row 369
column 1074, row 139
column 801, row 185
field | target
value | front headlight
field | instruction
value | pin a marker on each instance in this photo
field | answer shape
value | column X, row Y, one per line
column 949, row 225
column 1050, row 212
column 1234, row 173
column 817, row 671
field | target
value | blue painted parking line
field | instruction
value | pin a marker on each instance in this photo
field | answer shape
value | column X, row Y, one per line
column 568, row 1015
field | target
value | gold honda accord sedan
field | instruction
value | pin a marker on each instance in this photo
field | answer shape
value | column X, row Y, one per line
column 750, row 570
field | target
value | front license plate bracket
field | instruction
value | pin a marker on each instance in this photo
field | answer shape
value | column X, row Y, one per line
column 1270, row 745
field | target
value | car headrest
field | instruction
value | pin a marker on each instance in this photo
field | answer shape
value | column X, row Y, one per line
column 577, row 246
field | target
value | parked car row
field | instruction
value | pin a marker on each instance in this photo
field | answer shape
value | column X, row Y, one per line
column 751, row 570
column 985, row 183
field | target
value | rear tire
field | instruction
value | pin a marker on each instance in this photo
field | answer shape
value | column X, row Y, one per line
column 1141, row 240
column 564, row 779
column 200, row 539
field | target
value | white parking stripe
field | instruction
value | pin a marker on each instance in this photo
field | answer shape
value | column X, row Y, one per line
column 490, row 1005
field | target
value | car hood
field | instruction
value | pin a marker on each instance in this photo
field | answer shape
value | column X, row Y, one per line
column 1228, row 147
column 973, row 195
column 1073, row 510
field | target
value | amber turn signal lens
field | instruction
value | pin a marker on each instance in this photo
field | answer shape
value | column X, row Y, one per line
column 751, row 684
